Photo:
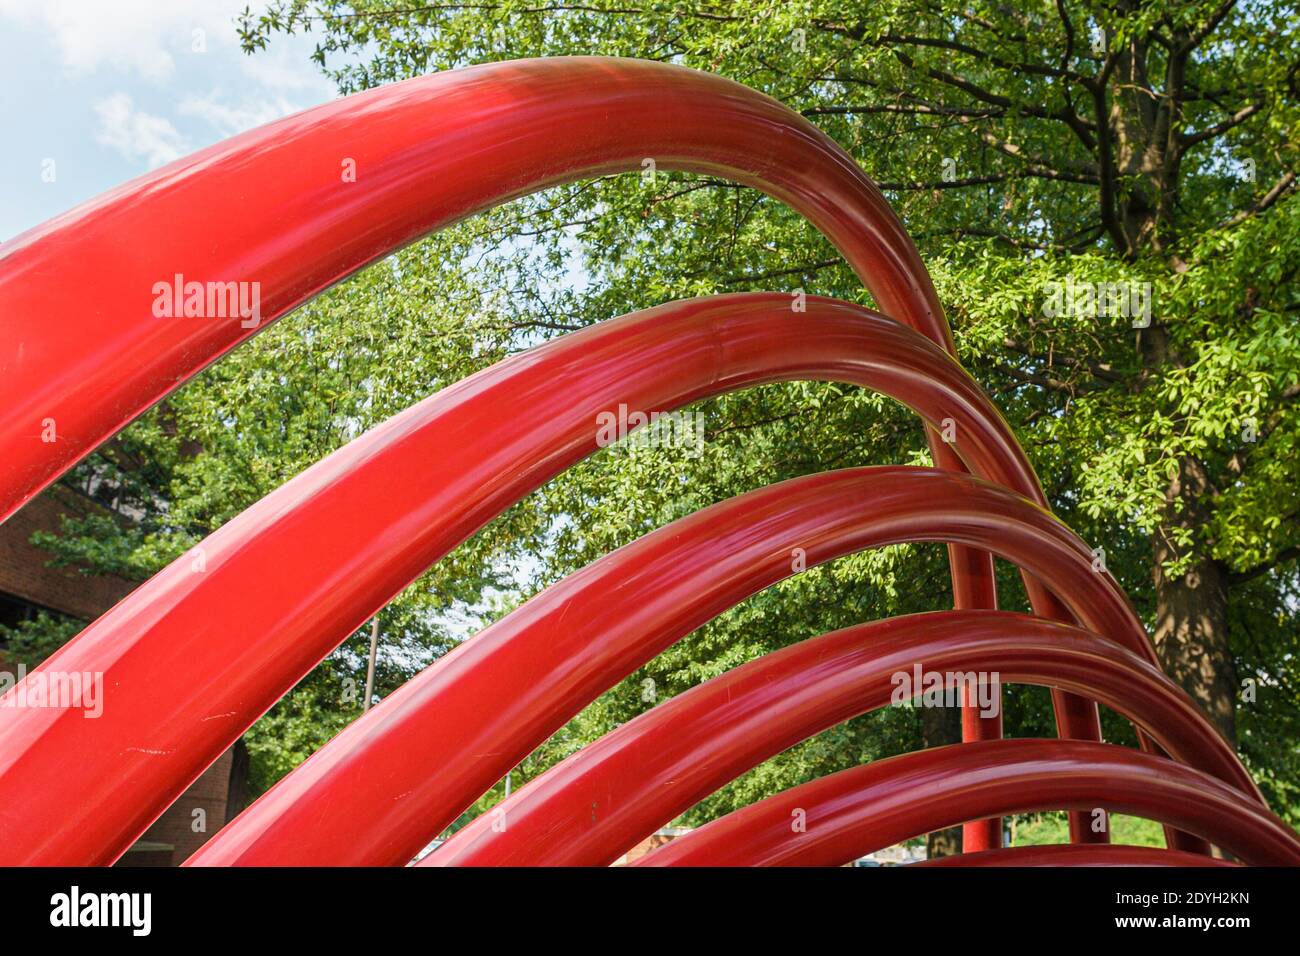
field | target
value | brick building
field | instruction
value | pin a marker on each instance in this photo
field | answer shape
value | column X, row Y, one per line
column 653, row 842
column 28, row 586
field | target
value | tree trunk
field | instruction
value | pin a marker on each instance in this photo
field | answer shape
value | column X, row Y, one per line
column 1191, row 635
column 237, row 790
column 939, row 726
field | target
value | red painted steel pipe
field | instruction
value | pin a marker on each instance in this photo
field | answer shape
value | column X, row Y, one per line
column 103, row 375
column 427, row 152
column 857, row 811
column 595, row 805
column 270, row 209
column 190, row 660
column 1072, row 855
column 978, row 835
column 397, row 776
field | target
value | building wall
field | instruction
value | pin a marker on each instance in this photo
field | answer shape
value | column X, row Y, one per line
column 25, row 577
column 651, row 843
column 23, row 571
column 177, row 827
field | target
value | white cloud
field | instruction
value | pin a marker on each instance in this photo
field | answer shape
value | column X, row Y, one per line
column 139, row 36
column 137, row 134
column 229, row 119
column 282, row 69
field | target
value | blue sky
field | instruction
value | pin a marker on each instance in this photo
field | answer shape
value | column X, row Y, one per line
column 109, row 89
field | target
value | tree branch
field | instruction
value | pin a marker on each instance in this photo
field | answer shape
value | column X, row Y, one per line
column 1279, row 189
column 1283, row 556
column 1188, row 140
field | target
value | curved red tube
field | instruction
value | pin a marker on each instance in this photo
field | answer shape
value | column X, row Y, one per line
column 598, row 803
column 981, row 593
column 184, row 676
column 272, row 207
column 505, row 691
column 842, row 816
column 1072, row 855
column 425, row 153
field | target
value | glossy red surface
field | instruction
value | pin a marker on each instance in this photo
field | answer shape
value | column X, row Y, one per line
column 271, row 207
column 980, row 593
column 594, row 806
column 502, row 693
column 308, row 564
column 843, row 816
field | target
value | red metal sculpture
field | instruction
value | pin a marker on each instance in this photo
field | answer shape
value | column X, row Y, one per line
column 190, row 660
